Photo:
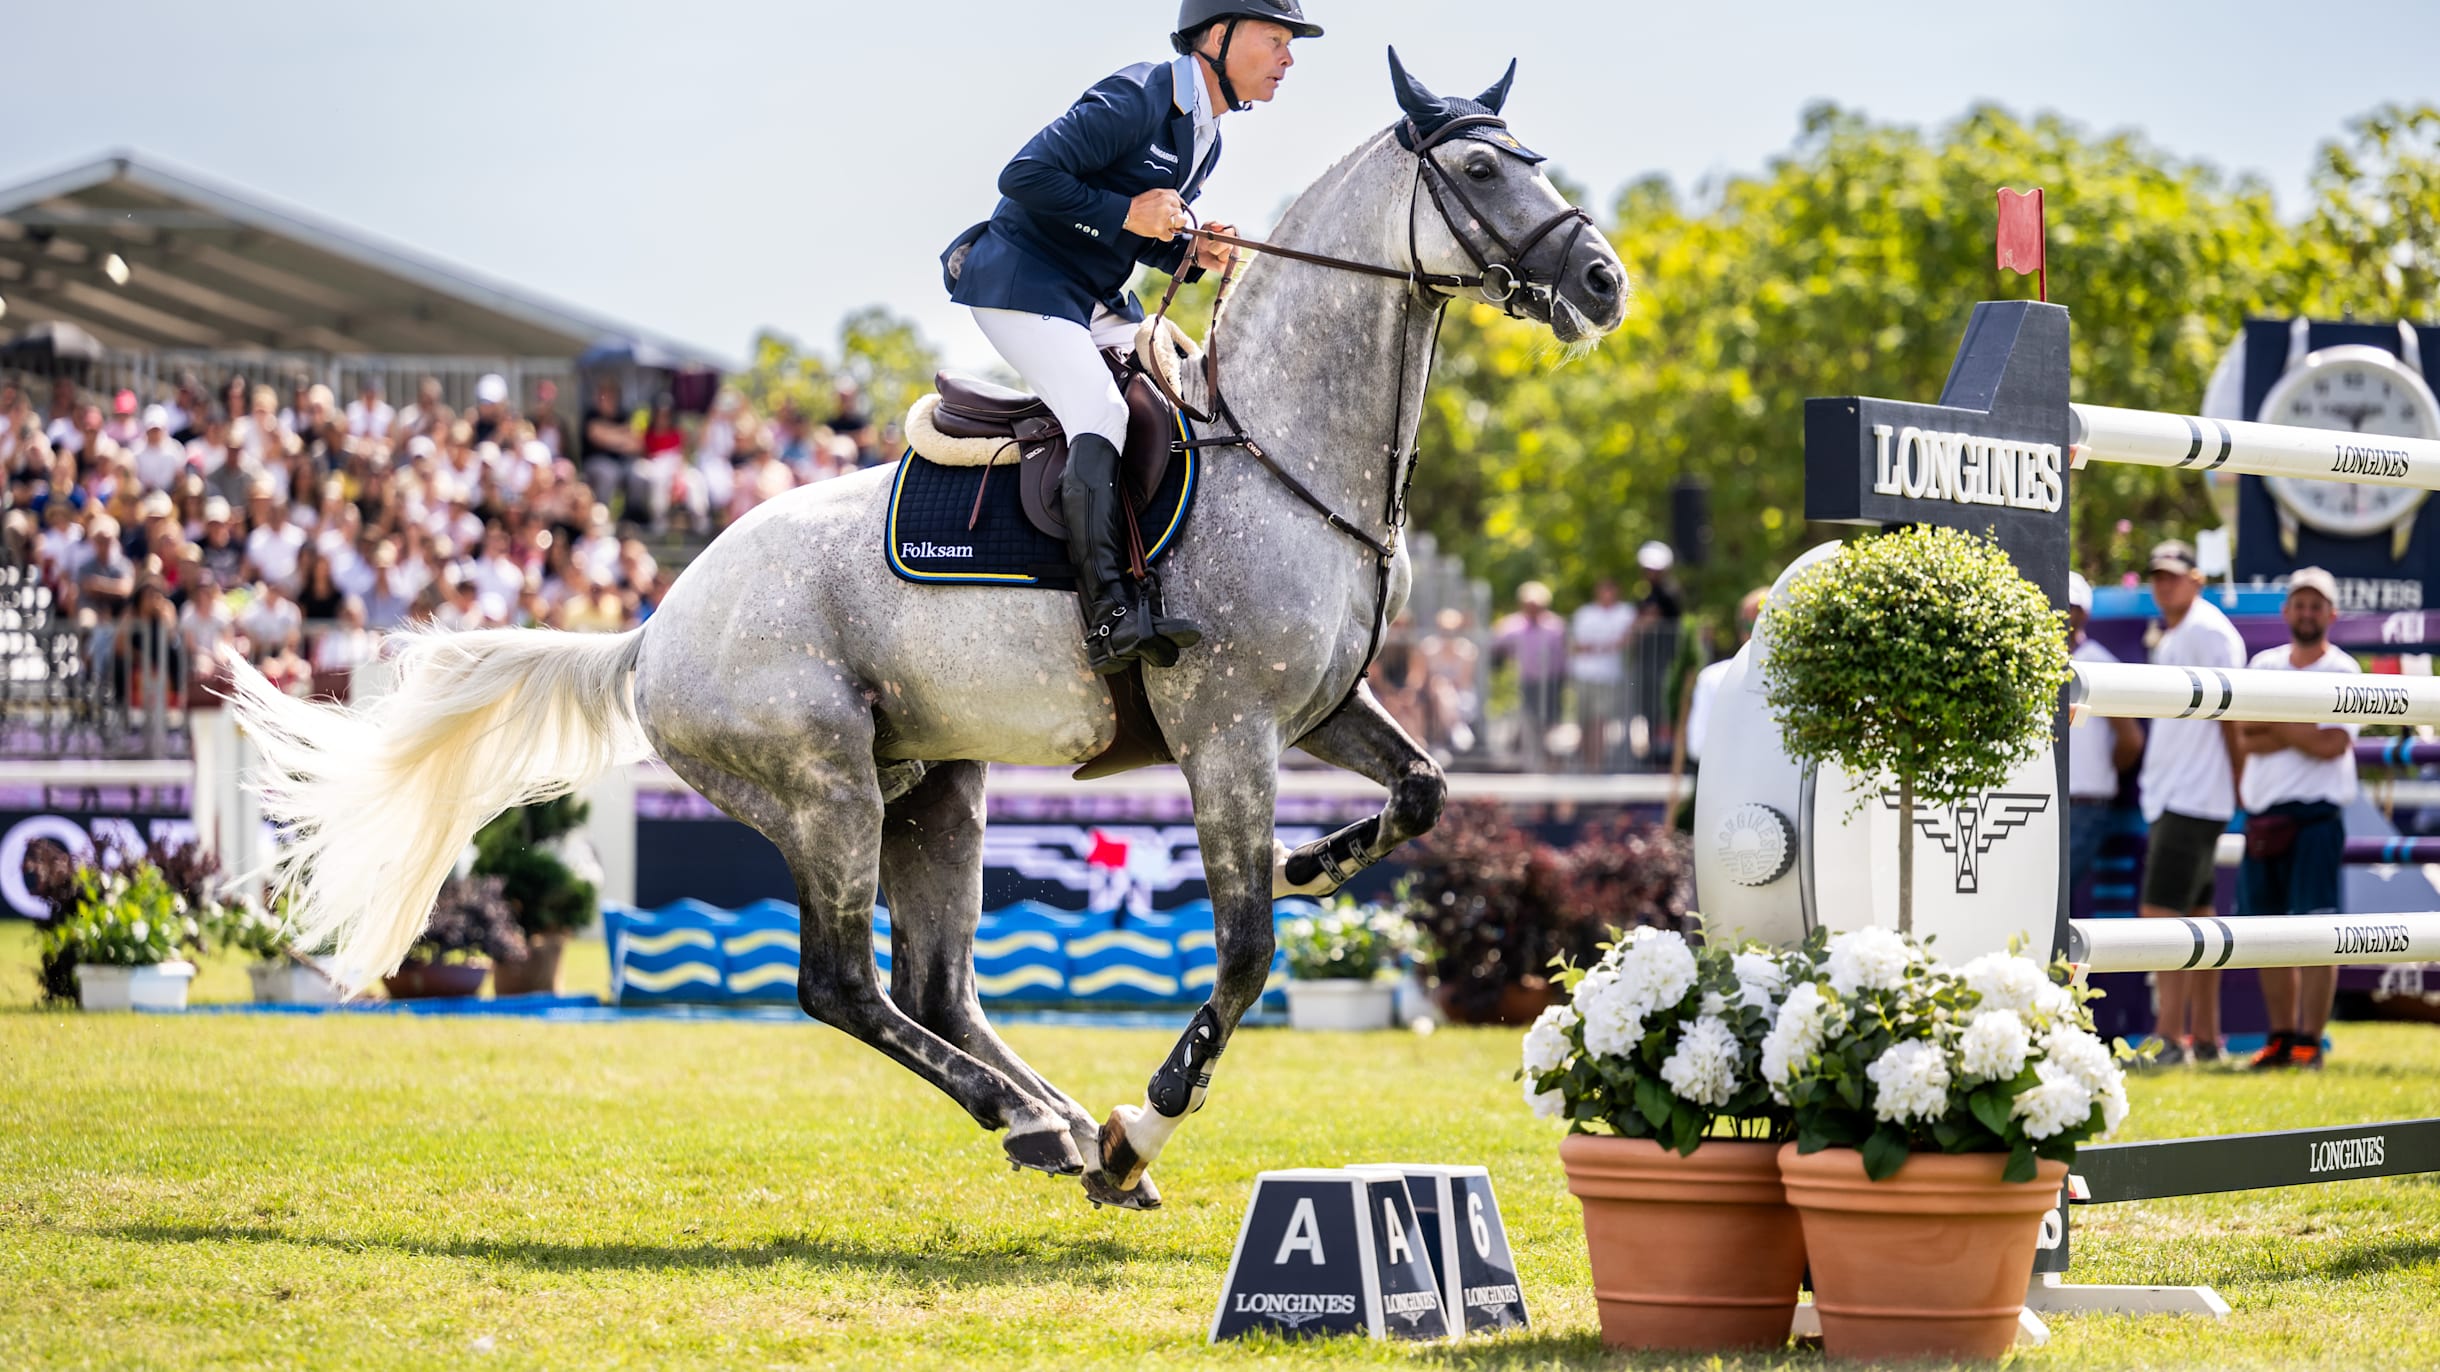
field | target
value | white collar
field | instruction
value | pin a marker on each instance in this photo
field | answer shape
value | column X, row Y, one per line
column 1187, row 75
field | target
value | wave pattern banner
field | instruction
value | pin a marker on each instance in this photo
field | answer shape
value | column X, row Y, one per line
column 1024, row 954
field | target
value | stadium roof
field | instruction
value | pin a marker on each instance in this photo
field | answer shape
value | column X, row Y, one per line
column 204, row 266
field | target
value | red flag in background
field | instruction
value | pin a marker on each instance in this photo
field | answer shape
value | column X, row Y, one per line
column 2020, row 236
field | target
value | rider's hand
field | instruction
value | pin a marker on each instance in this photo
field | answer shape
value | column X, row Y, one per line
column 1157, row 215
column 1216, row 257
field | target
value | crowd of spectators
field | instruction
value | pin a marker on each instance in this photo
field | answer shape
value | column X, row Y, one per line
column 295, row 529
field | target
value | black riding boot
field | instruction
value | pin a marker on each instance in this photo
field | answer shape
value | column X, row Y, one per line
column 1120, row 625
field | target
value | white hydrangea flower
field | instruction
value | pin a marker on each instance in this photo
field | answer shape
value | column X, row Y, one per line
column 2113, row 1102
column 141, row 932
column 1703, row 1069
column 1612, row 1023
column 2054, row 1001
column 1548, row 1105
column 1868, row 959
column 2060, row 1103
column 1795, row 1036
column 2008, row 982
column 1714, row 1004
column 1547, row 1047
column 1761, row 981
column 2081, row 1056
column 1994, row 1045
column 1910, row 1081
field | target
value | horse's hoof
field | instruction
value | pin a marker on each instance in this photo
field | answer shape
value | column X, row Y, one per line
column 1044, row 1150
column 1119, row 1159
column 1099, row 1189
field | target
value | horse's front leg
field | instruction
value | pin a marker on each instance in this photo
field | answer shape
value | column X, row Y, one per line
column 1362, row 738
column 1235, row 782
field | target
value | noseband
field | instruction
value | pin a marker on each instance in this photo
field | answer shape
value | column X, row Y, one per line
column 1502, row 279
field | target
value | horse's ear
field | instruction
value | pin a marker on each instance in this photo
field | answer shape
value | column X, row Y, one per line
column 1497, row 96
column 1420, row 104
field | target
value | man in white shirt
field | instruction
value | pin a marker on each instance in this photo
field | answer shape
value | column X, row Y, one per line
column 1596, row 663
column 1707, row 682
column 2190, row 772
column 368, row 415
column 158, row 458
column 2299, row 778
column 275, row 545
column 2097, row 751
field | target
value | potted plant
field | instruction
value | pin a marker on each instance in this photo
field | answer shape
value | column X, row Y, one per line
column 470, row 921
column 1936, row 1110
column 279, row 974
column 1923, row 655
column 1655, row 1062
column 1336, row 962
column 548, row 896
column 118, row 932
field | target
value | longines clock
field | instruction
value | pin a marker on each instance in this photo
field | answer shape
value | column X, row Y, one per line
column 2360, row 389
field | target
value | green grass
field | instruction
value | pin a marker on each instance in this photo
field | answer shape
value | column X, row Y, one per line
column 375, row 1191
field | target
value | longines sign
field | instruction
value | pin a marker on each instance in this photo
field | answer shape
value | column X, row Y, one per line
column 1926, row 464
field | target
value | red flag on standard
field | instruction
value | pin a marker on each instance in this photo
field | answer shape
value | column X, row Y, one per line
column 2020, row 231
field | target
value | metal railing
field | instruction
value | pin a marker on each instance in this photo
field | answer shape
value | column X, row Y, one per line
column 116, row 688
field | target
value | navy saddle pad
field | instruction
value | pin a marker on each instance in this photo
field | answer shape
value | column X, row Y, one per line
column 929, row 542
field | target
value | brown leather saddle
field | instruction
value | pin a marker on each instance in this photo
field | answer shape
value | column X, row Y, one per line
column 978, row 409
column 971, row 408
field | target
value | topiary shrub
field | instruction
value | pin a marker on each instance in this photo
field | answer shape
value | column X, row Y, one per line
column 1921, row 654
column 547, row 897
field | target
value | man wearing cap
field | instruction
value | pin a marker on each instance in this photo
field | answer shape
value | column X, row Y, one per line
column 158, row 458
column 2190, row 773
column 1102, row 189
column 2299, row 778
column 2096, row 753
column 490, row 406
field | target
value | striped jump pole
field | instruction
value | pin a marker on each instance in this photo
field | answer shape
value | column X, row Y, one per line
column 2147, row 438
column 2176, row 945
column 2134, row 690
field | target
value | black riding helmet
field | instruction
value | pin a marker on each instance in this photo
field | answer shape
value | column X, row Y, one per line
column 1194, row 16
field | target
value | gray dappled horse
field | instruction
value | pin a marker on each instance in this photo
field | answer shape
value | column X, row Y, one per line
column 849, row 716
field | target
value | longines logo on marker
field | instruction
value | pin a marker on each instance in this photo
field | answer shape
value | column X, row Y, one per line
column 1970, row 830
column 1293, row 1308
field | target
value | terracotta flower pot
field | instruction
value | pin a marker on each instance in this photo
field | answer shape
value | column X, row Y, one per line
column 1931, row 1263
column 1695, row 1252
column 433, row 980
column 537, row 971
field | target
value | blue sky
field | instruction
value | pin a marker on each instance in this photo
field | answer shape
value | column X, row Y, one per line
column 711, row 168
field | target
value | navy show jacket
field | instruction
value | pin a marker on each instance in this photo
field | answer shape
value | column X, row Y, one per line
column 1057, row 243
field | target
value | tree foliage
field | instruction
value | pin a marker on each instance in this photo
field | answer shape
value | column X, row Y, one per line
column 1849, row 266
column 882, row 352
column 1923, row 654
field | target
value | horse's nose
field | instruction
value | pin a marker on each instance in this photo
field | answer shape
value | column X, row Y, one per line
column 1601, row 279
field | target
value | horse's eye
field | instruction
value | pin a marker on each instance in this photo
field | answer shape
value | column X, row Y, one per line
column 1479, row 168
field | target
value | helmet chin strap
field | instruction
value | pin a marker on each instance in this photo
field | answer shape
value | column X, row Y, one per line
column 1228, row 91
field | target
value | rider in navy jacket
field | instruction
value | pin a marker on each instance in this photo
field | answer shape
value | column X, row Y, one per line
column 1102, row 189
column 1058, row 242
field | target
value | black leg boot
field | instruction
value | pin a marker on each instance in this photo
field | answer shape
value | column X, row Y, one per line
column 1115, row 623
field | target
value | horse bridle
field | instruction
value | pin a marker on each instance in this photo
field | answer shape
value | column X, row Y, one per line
column 1505, row 282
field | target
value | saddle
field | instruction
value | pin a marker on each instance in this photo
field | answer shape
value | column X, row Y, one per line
column 969, row 423
column 973, row 423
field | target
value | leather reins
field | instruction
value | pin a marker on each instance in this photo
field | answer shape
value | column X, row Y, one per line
column 1502, row 282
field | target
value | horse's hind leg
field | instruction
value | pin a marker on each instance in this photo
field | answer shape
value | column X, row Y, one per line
column 932, row 875
column 829, row 830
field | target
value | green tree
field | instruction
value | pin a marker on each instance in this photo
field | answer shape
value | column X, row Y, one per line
column 1849, row 266
column 882, row 352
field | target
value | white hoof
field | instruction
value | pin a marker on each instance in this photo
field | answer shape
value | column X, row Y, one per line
column 1320, row 886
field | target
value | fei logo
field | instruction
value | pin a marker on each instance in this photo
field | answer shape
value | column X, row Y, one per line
column 1973, row 828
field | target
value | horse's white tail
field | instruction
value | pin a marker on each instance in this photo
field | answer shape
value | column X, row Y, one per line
column 378, row 801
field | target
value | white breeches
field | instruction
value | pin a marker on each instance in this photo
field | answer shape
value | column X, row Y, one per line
column 1061, row 361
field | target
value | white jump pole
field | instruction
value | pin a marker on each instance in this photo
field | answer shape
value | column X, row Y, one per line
column 2134, row 690
column 2147, row 438
column 2174, row 945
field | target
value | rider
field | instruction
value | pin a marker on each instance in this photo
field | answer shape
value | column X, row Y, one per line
column 1105, row 187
